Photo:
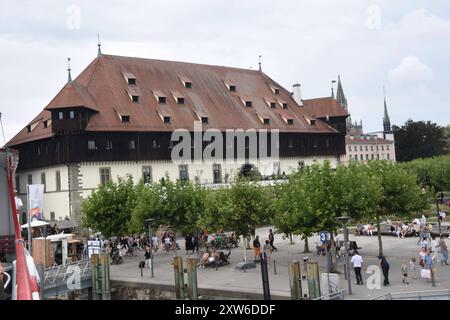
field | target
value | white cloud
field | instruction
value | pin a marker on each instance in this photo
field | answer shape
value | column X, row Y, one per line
column 410, row 71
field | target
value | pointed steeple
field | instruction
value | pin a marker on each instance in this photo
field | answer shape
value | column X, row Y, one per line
column 386, row 120
column 340, row 96
column 99, row 52
column 69, row 80
column 260, row 69
column 332, row 88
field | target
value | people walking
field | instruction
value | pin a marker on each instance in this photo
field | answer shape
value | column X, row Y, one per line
column 147, row 256
column 444, row 250
column 267, row 250
column 257, row 247
column 404, row 269
column 271, row 239
column 413, row 268
column 357, row 262
column 385, row 269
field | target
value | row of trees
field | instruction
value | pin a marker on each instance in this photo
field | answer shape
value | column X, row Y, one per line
column 309, row 201
column 434, row 172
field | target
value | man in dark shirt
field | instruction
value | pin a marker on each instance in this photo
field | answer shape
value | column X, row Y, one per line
column 271, row 239
column 257, row 247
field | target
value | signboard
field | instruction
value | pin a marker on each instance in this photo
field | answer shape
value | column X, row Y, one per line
column 324, row 236
column 94, row 247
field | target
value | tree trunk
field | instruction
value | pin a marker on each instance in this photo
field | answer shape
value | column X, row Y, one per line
column 380, row 244
column 306, row 248
column 290, row 238
column 334, row 268
column 244, row 241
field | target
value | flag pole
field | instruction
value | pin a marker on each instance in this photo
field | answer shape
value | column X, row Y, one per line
column 29, row 219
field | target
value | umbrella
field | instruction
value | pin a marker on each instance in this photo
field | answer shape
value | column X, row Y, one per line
column 35, row 223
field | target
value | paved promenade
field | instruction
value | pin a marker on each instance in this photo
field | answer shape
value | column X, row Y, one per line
column 249, row 284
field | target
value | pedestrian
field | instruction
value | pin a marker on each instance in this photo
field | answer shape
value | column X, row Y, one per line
column 155, row 244
column 357, row 262
column 188, row 243
column 196, row 243
column 444, row 250
column 271, row 239
column 434, row 249
column 257, row 247
column 404, row 269
column 267, row 250
column 147, row 256
column 428, row 260
column 413, row 267
column 385, row 268
column 337, row 243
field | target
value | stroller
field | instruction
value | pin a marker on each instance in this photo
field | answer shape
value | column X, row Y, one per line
column 321, row 249
column 116, row 257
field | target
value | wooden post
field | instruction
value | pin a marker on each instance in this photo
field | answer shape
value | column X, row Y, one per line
column 192, row 277
column 95, row 277
column 313, row 279
column 179, row 277
column 295, row 280
column 104, row 264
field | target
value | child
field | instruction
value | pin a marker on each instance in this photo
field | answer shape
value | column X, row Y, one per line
column 405, row 273
column 413, row 267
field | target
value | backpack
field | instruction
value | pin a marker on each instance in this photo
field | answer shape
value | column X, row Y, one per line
column 142, row 264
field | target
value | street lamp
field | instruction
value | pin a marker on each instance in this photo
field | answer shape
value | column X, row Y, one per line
column 150, row 234
column 344, row 221
column 438, row 215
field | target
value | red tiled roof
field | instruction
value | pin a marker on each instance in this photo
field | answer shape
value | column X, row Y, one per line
column 322, row 107
column 102, row 87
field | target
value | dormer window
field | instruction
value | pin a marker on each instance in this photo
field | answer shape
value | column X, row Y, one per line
column 178, row 97
column 130, row 78
column 187, row 83
column 290, row 122
column 45, row 123
column 285, row 105
column 162, row 100
column 202, row 116
column 125, row 119
column 204, row 119
column 273, row 105
column 248, row 103
column 180, row 100
column 266, row 121
column 231, row 87
column 282, row 103
column 166, row 119
column 274, row 89
column 29, row 128
column 160, row 97
column 135, row 99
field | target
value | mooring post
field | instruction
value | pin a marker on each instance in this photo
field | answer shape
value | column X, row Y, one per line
column 179, row 277
column 274, row 267
column 313, row 279
column 192, row 277
column 265, row 276
column 295, row 280
column 95, row 277
column 104, row 262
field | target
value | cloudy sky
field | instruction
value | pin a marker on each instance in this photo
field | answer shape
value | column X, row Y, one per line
column 402, row 45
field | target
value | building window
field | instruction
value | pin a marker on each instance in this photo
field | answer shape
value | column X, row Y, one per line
column 232, row 88
column 361, row 157
column 217, row 173
column 72, row 114
column 285, row 106
column 52, row 216
column 162, row 100
column 378, row 156
column 58, row 180
column 188, row 85
column 155, row 144
column 327, row 143
column 349, row 148
column 166, row 119
column 147, row 174
column 108, row 145
column 60, row 115
column 45, row 124
column 276, row 91
column 180, row 100
column 184, row 174
column 248, row 103
column 367, row 148
column 273, row 105
column 266, row 121
column 43, row 180
column 291, row 144
column 131, row 81
column 387, row 147
column 91, row 145
column 377, row 148
column 105, row 175
column 316, row 143
column 371, row 156
column 388, row 156
column 355, row 148
column 30, row 179
column 125, row 119
column 290, row 122
column 382, row 148
column 367, row 157
column 18, row 183
column 39, row 151
column 135, row 99
column 131, row 145
column 371, row 148
column 360, row 148
column 204, row 119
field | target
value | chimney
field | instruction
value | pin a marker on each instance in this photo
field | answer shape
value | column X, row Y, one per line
column 297, row 95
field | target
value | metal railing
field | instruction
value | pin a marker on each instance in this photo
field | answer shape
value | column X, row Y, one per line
column 416, row 295
column 335, row 295
column 57, row 275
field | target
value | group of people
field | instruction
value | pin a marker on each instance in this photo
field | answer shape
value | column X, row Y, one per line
column 268, row 247
column 192, row 243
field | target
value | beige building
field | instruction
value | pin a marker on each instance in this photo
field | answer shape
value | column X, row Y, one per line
column 368, row 147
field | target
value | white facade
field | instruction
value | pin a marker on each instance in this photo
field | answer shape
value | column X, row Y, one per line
column 364, row 150
column 63, row 203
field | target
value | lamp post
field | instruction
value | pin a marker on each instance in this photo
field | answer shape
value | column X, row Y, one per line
column 150, row 234
column 344, row 221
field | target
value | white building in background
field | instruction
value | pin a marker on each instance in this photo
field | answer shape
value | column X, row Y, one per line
column 117, row 117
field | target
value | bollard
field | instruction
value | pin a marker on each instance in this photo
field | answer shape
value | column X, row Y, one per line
column 104, row 267
column 274, row 267
column 295, row 280
column 95, row 277
column 192, row 277
column 265, row 277
column 179, row 277
column 313, row 279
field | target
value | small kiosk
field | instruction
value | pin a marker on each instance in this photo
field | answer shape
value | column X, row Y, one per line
column 63, row 249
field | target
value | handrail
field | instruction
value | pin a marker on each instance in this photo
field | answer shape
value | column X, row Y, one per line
column 7, row 281
column 419, row 293
column 332, row 294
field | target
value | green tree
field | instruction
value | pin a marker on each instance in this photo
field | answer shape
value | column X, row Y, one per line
column 108, row 209
column 400, row 193
column 432, row 172
column 419, row 140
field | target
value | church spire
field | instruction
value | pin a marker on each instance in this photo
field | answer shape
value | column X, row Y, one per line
column 386, row 120
column 260, row 68
column 340, row 96
column 332, row 88
column 69, row 79
column 99, row 45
